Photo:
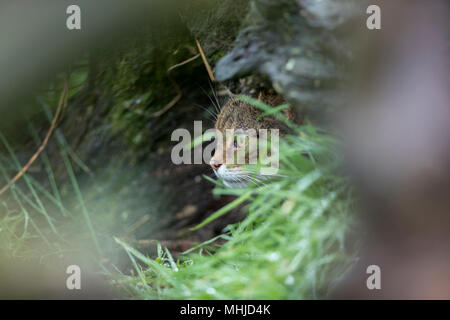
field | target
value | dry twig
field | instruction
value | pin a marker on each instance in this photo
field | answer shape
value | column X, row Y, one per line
column 62, row 102
column 177, row 88
column 205, row 62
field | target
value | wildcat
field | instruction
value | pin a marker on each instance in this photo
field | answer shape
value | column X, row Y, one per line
column 237, row 124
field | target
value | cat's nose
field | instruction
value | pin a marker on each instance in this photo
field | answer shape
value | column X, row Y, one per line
column 215, row 164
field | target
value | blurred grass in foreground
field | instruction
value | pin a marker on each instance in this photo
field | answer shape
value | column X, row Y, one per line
column 34, row 215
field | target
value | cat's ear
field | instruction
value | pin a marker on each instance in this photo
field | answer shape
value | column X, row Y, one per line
column 224, row 91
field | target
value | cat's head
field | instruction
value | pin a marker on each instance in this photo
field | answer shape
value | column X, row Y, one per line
column 239, row 127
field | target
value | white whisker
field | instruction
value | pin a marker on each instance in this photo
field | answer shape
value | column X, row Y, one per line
column 216, row 107
column 215, row 96
column 207, row 110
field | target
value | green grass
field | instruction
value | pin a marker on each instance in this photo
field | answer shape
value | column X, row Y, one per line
column 291, row 245
column 33, row 215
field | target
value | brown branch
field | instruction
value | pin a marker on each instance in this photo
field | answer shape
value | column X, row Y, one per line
column 177, row 88
column 62, row 102
column 205, row 62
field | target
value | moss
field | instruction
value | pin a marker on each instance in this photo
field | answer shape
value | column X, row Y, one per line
column 134, row 77
column 216, row 23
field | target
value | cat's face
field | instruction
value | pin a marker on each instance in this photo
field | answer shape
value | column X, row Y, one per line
column 238, row 139
column 231, row 160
